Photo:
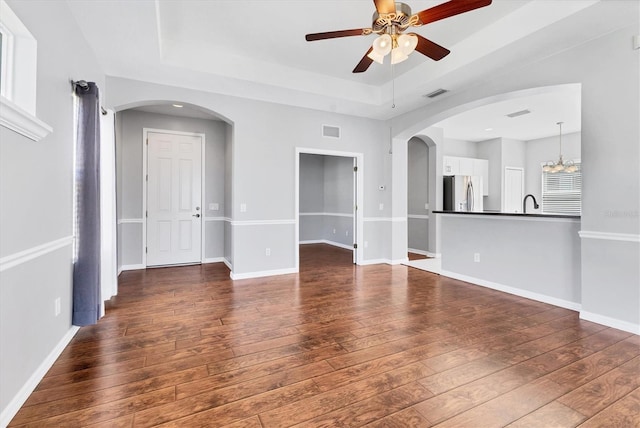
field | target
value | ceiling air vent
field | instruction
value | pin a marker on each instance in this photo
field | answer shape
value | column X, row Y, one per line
column 330, row 131
column 519, row 113
column 436, row 93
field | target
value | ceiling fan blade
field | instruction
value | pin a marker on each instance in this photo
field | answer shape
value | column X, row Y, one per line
column 385, row 6
column 364, row 63
column 450, row 8
column 431, row 49
column 334, row 34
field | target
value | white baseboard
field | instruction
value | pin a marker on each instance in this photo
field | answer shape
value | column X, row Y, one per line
column 375, row 262
column 19, row 399
column 228, row 263
column 326, row 241
column 213, row 260
column 424, row 253
column 263, row 273
column 610, row 322
column 416, row 251
column 132, row 267
column 515, row 291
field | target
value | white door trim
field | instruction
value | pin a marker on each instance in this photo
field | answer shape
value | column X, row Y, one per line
column 359, row 217
column 145, row 133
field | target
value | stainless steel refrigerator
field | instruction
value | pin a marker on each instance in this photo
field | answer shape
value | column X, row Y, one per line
column 462, row 193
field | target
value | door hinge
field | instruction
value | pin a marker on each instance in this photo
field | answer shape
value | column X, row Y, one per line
column 147, row 141
column 147, row 177
column 355, row 246
column 355, row 169
column 146, row 214
column 146, row 250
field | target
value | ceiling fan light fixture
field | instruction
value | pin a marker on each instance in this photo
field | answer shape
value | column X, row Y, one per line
column 398, row 56
column 407, row 43
column 376, row 57
column 382, row 45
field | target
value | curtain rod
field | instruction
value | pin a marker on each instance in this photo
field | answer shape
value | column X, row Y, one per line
column 85, row 87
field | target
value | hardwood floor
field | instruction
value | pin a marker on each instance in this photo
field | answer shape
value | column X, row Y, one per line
column 415, row 256
column 335, row 345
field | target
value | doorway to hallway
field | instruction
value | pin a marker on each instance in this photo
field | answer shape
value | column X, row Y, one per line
column 328, row 200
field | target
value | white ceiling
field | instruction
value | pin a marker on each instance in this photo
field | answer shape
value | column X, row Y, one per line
column 546, row 110
column 256, row 48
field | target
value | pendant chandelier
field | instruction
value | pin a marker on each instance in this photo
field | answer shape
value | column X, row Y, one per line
column 560, row 165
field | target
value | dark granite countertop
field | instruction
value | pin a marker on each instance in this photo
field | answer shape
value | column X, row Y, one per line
column 497, row 213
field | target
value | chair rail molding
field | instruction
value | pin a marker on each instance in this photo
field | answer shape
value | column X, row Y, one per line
column 24, row 256
column 609, row 236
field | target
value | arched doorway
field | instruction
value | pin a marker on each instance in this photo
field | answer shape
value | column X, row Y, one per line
column 427, row 129
column 135, row 124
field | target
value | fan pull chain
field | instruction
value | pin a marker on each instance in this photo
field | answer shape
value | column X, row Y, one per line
column 393, row 88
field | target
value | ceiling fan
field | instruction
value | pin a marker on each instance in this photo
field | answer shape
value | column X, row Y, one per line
column 391, row 20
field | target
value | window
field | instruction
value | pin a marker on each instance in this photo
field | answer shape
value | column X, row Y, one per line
column 562, row 192
column 18, row 75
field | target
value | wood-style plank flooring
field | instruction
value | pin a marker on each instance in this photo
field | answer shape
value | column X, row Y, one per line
column 335, row 345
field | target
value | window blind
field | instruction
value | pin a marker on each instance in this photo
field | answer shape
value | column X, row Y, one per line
column 562, row 192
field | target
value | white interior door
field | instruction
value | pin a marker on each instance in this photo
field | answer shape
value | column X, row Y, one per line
column 174, row 214
column 513, row 189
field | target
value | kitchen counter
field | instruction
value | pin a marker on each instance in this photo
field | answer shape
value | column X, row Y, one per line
column 497, row 213
column 530, row 255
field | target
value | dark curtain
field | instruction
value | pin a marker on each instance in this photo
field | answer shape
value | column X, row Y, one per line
column 86, row 267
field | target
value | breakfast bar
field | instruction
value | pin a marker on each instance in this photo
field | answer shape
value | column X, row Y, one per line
column 531, row 255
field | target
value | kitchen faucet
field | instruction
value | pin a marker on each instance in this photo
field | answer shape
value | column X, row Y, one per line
column 524, row 203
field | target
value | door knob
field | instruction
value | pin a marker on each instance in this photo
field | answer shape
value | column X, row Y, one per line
column 196, row 215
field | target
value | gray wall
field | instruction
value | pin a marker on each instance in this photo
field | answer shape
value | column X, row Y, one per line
column 418, row 195
column 491, row 150
column 459, row 148
column 263, row 164
column 610, row 222
column 326, row 192
column 263, row 139
column 311, row 197
column 130, row 124
column 501, row 153
column 36, row 202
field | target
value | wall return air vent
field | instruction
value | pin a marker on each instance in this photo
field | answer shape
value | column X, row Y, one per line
column 436, row 93
column 330, row 131
column 519, row 113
